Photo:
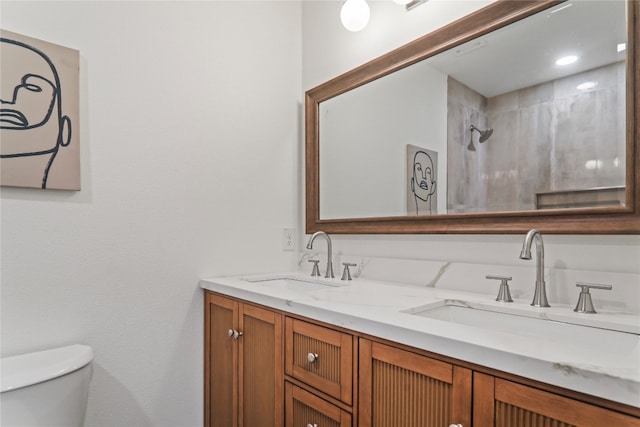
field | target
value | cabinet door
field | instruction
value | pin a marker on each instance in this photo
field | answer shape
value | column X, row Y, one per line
column 244, row 370
column 306, row 409
column 400, row 388
column 261, row 380
column 221, row 362
column 501, row 403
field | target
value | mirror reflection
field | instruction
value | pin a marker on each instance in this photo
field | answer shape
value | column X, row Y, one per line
column 531, row 116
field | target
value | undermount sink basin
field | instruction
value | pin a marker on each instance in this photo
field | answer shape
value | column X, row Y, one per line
column 532, row 325
column 293, row 284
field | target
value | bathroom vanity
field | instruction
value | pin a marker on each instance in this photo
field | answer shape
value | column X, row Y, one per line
column 294, row 350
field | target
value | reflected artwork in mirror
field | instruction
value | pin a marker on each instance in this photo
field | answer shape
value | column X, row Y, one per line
column 531, row 107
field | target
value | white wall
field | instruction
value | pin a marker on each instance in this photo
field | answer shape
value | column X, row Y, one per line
column 329, row 50
column 364, row 136
column 189, row 138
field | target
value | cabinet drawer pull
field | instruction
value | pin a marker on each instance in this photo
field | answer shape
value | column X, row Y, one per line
column 312, row 357
column 456, row 425
column 312, row 425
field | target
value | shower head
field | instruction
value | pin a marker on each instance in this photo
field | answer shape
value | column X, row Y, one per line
column 484, row 134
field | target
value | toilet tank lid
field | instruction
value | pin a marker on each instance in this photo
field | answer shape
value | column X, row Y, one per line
column 31, row 368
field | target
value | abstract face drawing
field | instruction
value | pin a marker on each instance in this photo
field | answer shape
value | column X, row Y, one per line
column 423, row 183
column 31, row 119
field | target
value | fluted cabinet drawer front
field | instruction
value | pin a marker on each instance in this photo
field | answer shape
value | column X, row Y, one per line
column 330, row 371
column 304, row 409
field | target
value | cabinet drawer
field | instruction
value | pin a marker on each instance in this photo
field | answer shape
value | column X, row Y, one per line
column 305, row 409
column 320, row 357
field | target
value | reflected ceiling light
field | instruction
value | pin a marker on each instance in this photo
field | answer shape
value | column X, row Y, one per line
column 469, row 47
column 622, row 47
column 566, row 60
column 586, row 85
column 593, row 164
column 355, row 14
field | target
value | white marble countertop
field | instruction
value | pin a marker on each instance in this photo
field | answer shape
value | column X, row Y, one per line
column 603, row 362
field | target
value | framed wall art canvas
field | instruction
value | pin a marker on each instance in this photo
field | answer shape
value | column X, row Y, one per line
column 39, row 116
column 422, row 168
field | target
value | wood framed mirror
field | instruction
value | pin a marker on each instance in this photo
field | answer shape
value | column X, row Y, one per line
column 599, row 193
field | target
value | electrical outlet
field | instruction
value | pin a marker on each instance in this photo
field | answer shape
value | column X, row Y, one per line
column 288, row 239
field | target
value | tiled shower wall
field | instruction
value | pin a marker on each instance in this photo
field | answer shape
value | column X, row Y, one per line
column 548, row 137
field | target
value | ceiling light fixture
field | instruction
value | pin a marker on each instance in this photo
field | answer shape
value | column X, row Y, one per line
column 566, row 60
column 355, row 14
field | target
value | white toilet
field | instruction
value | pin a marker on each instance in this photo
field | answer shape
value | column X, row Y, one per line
column 45, row 388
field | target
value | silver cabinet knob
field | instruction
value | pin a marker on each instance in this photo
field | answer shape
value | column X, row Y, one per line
column 312, row 357
column 312, row 425
column 234, row 334
column 456, row 425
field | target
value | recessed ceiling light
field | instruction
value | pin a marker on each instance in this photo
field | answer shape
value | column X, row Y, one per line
column 566, row 60
column 622, row 47
column 586, row 85
column 468, row 47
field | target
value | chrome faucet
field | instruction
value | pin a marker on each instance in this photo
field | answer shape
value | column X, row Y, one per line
column 329, row 271
column 540, row 294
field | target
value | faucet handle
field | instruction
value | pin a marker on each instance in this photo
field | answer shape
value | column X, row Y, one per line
column 503, row 294
column 346, row 274
column 585, row 304
column 315, row 272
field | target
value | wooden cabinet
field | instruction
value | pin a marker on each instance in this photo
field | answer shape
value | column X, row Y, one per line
column 244, row 380
column 502, row 403
column 265, row 369
column 401, row 388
